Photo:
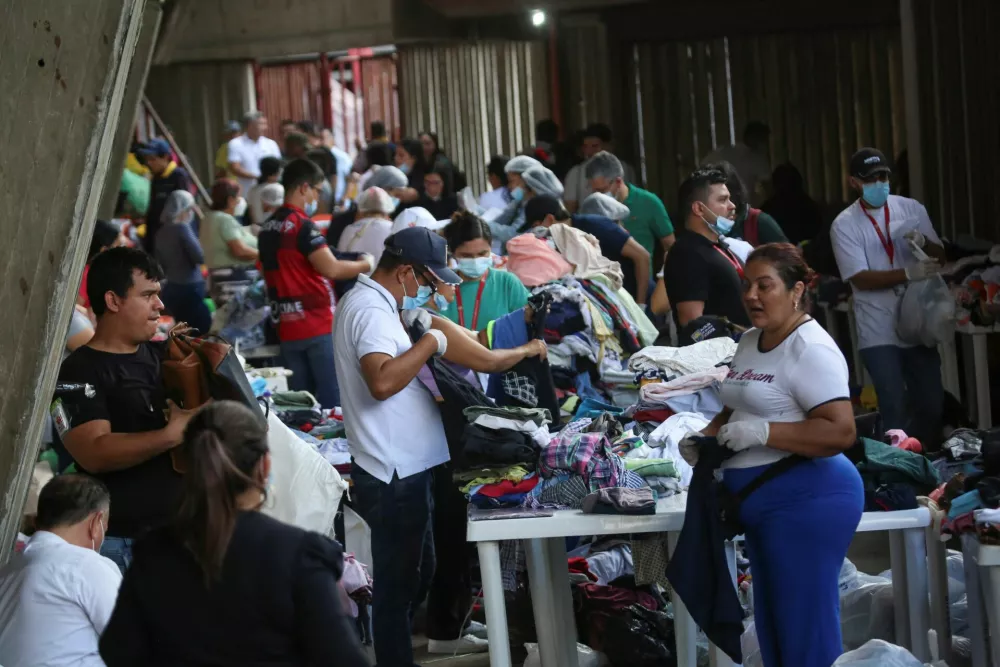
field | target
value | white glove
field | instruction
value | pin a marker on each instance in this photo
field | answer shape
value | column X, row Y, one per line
column 923, row 270
column 738, row 436
column 916, row 238
column 365, row 257
column 418, row 316
column 442, row 341
column 689, row 448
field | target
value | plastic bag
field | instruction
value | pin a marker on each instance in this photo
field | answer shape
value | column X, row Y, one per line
column 878, row 653
column 638, row 637
column 750, row 647
column 585, row 656
column 927, row 310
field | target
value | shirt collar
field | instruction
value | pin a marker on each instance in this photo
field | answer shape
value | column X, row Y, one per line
column 169, row 170
column 43, row 538
column 386, row 295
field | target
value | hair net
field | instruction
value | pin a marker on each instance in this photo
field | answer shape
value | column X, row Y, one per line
column 375, row 200
column 179, row 208
column 521, row 164
column 542, row 182
column 272, row 194
column 387, row 178
column 606, row 205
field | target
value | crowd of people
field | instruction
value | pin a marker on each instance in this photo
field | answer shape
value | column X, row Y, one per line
column 378, row 266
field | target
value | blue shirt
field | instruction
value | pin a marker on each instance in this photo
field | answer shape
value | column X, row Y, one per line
column 179, row 253
column 613, row 238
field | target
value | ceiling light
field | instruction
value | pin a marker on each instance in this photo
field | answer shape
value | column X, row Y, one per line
column 537, row 17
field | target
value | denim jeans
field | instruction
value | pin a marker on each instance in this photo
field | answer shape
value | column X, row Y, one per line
column 311, row 363
column 118, row 550
column 910, row 392
column 399, row 516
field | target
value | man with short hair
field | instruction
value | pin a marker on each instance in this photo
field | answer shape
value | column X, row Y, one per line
column 247, row 150
column 702, row 276
column 296, row 145
column 750, row 158
column 288, row 126
column 872, row 240
column 122, row 432
column 297, row 266
column 57, row 596
column 648, row 221
column 616, row 243
column 167, row 177
column 596, row 138
column 394, row 427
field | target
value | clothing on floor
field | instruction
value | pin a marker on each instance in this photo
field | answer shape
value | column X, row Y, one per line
column 583, row 252
column 698, row 571
column 651, row 556
column 798, row 528
column 620, row 501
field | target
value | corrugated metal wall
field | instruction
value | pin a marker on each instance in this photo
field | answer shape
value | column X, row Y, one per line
column 822, row 94
column 481, row 99
column 195, row 101
column 959, row 99
column 291, row 91
column 584, row 52
column 379, row 90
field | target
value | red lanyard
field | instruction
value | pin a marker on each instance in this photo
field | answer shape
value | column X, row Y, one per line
column 886, row 239
column 475, row 309
column 731, row 260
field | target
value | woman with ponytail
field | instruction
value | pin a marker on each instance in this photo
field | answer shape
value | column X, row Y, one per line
column 224, row 584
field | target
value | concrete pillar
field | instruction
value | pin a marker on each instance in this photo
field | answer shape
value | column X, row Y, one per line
column 64, row 71
column 134, row 88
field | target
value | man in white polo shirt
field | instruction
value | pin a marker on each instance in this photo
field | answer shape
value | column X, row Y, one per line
column 393, row 426
column 247, row 150
column 871, row 240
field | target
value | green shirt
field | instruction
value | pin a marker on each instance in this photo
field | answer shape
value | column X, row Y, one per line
column 503, row 293
column 768, row 229
column 648, row 222
column 217, row 230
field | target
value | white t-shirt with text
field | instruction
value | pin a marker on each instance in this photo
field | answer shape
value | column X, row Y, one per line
column 858, row 248
column 784, row 384
column 248, row 153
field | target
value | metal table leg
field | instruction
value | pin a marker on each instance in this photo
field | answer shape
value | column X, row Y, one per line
column 493, row 599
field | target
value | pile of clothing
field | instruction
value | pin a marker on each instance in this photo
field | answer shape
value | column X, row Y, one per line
column 323, row 429
column 970, row 463
column 893, row 477
column 243, row 317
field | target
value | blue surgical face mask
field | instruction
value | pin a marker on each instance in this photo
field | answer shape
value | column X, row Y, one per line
column 395, row 203
column 876, row 194
column 474, row 267
column 720, row 225
column 405, row 168
column 312, row 207
column 423, row 295
column 440, row 302
column 517, row 194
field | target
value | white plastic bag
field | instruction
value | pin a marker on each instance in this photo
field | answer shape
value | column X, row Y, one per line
column 585, row 656
column 878, row 653
column 927, row 310
column 861, row 615
column 750, row 647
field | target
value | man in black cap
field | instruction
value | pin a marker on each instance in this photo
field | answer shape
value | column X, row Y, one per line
column 616, row 243
column 873, row 240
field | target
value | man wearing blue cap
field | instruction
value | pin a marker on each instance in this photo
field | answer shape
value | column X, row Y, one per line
column 167, row 177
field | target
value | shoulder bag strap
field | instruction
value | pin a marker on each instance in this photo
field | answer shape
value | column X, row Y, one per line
column 777, row 469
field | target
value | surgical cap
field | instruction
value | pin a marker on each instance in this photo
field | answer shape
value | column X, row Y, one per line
column 521, row 164
column 605, row 205
column 543, row 182
column 387, row 178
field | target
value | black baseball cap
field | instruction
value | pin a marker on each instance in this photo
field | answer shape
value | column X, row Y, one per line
column 418, row 245
column 538, row 207
column 867, row 162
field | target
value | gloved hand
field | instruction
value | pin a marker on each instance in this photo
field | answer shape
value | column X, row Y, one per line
column 365, row 257
column 923, row 270
column 738, row 436
column 418, row 316
column 916, row 238
column 689, row 448
column 442, row 341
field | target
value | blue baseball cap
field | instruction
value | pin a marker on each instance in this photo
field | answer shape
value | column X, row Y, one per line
column 418, row 245
column 155, row 147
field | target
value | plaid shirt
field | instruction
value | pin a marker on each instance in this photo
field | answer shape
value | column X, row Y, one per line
column 588, row 455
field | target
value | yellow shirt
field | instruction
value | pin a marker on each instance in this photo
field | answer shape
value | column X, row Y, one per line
column 132, row 164
column 222, row 160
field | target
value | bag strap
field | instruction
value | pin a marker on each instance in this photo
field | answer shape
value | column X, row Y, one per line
column 775, row 470
column 751, row 227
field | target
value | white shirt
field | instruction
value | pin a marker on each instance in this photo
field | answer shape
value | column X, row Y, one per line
column 55, row 601
column 494, row 199
column 752, row 167
column 257, row 215
column 248, row 153
column 858, row 248
column 402, row 434
column 366, row 235
column 782, row 385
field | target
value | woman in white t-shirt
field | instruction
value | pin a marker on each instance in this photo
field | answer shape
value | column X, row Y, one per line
column 373, row 226
column 787, row 393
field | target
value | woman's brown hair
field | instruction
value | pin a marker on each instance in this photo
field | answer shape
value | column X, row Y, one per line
column 222, row 190
column 791, row 266
column 223, row 445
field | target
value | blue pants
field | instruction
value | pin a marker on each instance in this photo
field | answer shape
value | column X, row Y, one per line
column 187, row 304
column 400, row 517
column 311, row 363
column 798, row 527
column 119, row 551
column 910, row 392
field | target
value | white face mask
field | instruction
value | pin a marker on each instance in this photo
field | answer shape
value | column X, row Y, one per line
column 94, row 544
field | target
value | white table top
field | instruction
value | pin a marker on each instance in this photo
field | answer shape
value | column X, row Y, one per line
column 669, row 518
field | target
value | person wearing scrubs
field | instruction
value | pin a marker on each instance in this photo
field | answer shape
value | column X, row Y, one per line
column 787, row 394
column 485, row 294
